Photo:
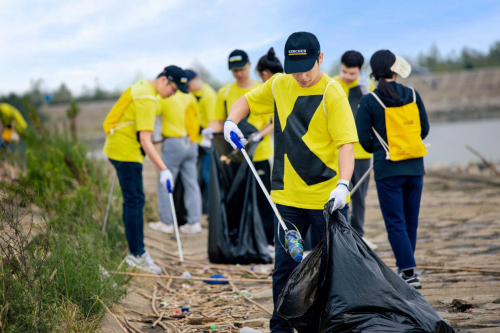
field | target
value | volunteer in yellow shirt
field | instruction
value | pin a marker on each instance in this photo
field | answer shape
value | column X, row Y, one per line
column 313, row 152
column 207, row 98
column 126, row 147
column 12, row 123
column 356, row 85
column 180, row 153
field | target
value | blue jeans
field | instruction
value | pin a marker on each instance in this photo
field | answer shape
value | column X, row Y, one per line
column 399, row 199
column 205, row 175
column 284, row 263
column 130, row 177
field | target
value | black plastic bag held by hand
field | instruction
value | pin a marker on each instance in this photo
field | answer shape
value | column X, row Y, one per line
column 343, row 286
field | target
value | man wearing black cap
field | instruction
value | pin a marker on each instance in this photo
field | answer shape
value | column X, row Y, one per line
column 313, row 146
column 126, row 146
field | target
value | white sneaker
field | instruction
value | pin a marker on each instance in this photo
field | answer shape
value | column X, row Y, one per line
column 370, row 244
column 161, row 227
column 270, row 248
column 143, row 262
column 190, row 228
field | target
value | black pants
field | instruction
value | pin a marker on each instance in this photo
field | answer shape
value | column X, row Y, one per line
column 266, row 212
column 358, row 199
column 130, row 177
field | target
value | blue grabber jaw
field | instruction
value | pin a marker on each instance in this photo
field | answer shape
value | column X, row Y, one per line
column 236, row 140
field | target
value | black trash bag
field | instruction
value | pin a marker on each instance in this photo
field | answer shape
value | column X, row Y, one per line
column 235, row 231
column 180, row 207
column 343, row 286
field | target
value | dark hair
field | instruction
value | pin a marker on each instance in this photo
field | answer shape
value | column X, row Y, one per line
column 352, row 59
column 381, row 63
column 269, row 62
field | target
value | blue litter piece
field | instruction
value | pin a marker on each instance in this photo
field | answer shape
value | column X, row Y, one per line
column 217, row 276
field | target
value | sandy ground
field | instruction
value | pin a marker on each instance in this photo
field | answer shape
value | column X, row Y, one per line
column 459, row 227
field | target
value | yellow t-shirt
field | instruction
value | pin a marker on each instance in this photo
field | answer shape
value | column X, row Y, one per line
column 354, row 94
column 173, row 114
column 307, row 137
column 124, row 145
column 206, row 97
column 226, row 97
column 9, row 114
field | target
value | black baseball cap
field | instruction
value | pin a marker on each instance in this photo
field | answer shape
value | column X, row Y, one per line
column 190, row 74
column 177, row 76
column 237, row 59
column 302, row 49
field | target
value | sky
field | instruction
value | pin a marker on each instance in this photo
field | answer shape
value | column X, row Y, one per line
column 113, row 42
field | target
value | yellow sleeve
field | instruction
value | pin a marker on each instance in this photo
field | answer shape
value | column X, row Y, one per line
column 341, row 123
column 371, row 85
column 18, row 117
column 261, row 99
column 220, row 105
column 145, row 114
column 209, row 104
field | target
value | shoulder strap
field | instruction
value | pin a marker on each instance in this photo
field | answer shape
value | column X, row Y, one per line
column 227, row 91
column 383, row 143
column 324, row 94
column 272, row 85
column 414, row 95
column 147, row 97
column 378, row 99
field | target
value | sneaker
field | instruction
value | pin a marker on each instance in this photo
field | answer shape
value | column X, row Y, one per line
column 191, row 228
column 161, row 227
column 411, row 280
column 370, row 244
column 143, row 262
column 270, row 248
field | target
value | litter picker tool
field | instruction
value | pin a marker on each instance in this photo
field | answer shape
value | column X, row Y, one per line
column 174, row 215
column 293, row 239
column 113, row 182
column 367, row 173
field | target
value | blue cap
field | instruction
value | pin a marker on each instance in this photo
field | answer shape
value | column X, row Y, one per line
column 297, row 257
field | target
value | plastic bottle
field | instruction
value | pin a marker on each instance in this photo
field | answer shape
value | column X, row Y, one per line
column 294, row 245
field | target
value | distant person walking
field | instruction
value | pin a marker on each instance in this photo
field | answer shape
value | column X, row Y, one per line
column 12, row 123
column 391, row 123
column 356, row 85
column 129, row 126
column 180, row 153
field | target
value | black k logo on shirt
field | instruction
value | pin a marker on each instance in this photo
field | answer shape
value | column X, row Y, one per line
column 308, row 166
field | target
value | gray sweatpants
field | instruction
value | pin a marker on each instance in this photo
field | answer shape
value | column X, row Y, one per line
column 181, row 157
column 358, row 199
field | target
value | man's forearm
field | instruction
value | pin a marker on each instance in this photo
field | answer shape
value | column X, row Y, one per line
column 150, row 150
column 346, row 161
column 239, row 110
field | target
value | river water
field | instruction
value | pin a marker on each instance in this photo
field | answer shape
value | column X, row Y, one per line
column 448, row 142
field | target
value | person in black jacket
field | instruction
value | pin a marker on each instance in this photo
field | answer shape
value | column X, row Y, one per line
column 399, row 184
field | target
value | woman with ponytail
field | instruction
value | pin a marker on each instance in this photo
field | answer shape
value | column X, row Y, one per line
column 391, row 123
column 269, row 65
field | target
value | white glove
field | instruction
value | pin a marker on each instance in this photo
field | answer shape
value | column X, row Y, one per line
column 166, row 175
column 206, row 143
column 339, row 195
column 229, row 127
column 14, row 137
column 208, row 133
column 256, row 137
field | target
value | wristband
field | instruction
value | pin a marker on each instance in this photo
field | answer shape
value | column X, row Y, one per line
column 229, row 120
column 347, row 187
